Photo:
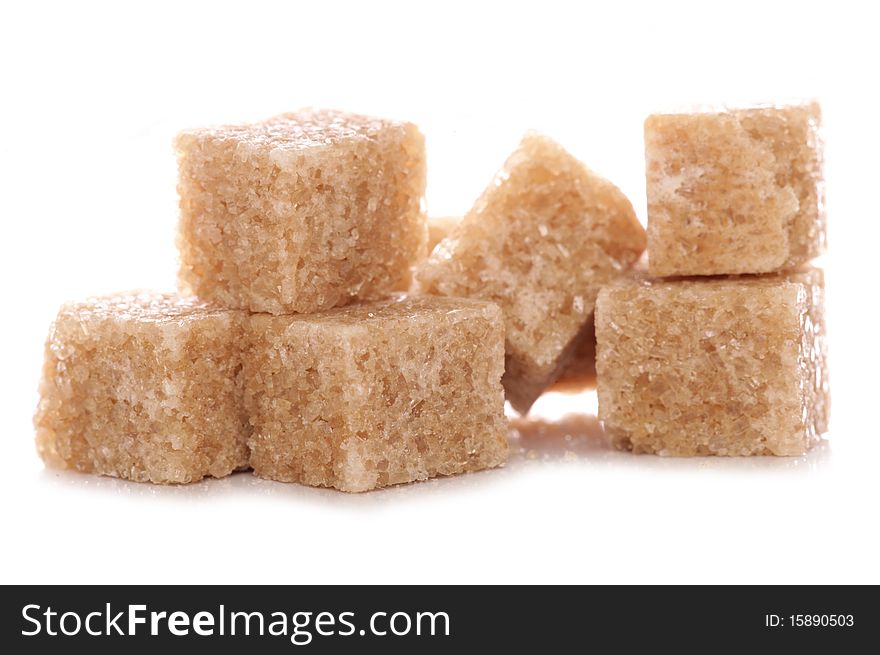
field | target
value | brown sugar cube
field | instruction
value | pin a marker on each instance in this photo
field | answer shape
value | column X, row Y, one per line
column 541, row 241
column 302, row 212
column 439, row 228
column 377, row 394
column 143, row 386
column 734, row 192
column 727, row 366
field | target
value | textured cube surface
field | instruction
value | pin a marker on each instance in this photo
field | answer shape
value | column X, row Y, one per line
column 540, row 241
column 738, row 191
column 302, row 212
column 439, row 228
column 377, row 394
column 144, row 387
column 729, row 366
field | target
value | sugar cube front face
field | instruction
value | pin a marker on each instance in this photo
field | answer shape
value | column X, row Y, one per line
column 144, row 387
column 302, row 212
column 734, row 192
column 377, row 394
column 728, row 366
column 541, row 241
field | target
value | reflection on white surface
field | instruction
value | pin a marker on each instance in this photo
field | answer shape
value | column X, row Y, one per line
column 244, row 485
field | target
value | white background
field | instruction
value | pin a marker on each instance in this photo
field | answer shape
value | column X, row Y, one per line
column 91, row 97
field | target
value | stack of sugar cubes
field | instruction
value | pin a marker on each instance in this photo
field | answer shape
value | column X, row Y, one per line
column 302, row 346
column 720, row 348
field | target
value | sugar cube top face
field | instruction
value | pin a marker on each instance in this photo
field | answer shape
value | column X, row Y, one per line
column 377, row 394
column 302, row 212
column 728, row 366
column 145, row 387
column 541, row 241
column 733, row 192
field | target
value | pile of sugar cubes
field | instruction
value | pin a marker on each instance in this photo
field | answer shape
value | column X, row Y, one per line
column 328, row 333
